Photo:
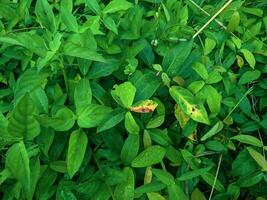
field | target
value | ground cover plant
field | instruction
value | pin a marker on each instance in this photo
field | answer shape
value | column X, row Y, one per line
column 123, row 99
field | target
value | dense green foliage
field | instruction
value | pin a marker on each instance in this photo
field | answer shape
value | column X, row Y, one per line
column 124, row 100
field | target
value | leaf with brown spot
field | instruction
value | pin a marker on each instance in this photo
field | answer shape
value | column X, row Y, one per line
column 145, row 106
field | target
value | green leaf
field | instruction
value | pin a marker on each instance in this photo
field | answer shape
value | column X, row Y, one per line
column 192, row 174
column 82, row 94
column 71, row 49
column 175, row 58
column 249, row 76
column 249, row 57
column 59, row 166
column 112, row 119
column 209, row 178
column 67, row 4
column 130, row 124
column 213, row 131
column 164, row 176
column 144, row 90
column 167, row 14
column 76, row 151
column 26, row 83
column 155, row 196
column 110, row 24
column 124, row 94
column 209, row 46
column 10, row 41
column 150, row 156
column 175, row 192
column 156, row 121
column 258, row 158
column 117, row 5
column 196, row 86
column 45, row 15
column 214, row 99
column 201, row 70
column 99, row 70
column 93, row 5
column 63, row 120
column 92, row 115
column 149, row 187
column 17, row 162
column 35, row 171
column 22, row 123
column 234, row 21
column 214, row 77
column 248, row 139
column 40, row 99
column 125, row 190
column 197, row 195
column 189, row 104
column 130, row 148
column 69, row 20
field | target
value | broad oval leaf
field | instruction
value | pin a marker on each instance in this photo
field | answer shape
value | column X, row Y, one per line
column 63, row 120
column 234, row 21
column 249, row 57
column 76, row 151
column 150, row 156
column 82, row 94
column 189, row 104
column 143, row 89
column 130, row 124
column 125, row 190
column 22, row 123
column 130, row 148
column 117, row 5
column 111, row 120
column 249, row 76
column 174, row 59
column 18, row 163
column 92, row 115
column 124, row 94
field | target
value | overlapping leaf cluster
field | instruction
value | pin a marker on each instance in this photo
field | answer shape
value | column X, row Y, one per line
column 119, row 100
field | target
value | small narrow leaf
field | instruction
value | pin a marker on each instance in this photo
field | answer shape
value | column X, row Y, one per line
column 213, row 131
column 192, row 174
column 248, row 139
column 249, row 57
column 258, row 158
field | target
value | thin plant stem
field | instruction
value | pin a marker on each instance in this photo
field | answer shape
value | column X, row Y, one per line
column 216, row 176
column 240, row 100
column 211, row 19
